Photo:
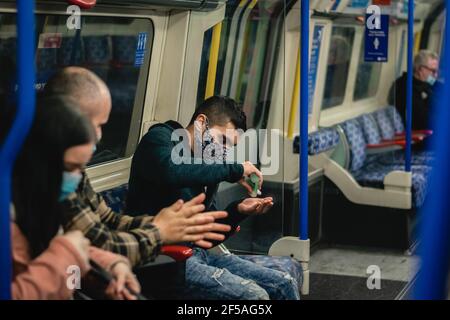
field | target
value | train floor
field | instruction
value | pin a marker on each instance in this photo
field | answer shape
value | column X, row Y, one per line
column 349, row 273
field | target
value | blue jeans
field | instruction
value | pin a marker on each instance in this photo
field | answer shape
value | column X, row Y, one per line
column 228, row 277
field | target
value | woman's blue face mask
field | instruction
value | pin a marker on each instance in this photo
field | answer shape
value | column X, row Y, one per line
column 70, row 183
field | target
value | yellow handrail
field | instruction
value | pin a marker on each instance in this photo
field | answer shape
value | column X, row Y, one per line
column 417, row 41
column 213, row 60
column 295, row 99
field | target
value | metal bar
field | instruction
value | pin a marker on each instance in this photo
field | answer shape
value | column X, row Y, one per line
column 304, row 106
column 409, row 86
column 18, row 133
column 434, row 246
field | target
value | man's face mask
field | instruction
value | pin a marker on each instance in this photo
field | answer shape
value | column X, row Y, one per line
column 69, row 184
column 431, row 80
column 212, row 151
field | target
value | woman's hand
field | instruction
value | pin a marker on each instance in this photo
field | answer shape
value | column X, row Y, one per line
column 124, row 279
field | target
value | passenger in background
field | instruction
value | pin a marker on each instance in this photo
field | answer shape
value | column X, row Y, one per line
column 47, row 170
column 426, row 72
column 157, row 179
column 139, row 238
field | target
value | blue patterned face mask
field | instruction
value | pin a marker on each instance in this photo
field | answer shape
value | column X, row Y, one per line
column 69, row 184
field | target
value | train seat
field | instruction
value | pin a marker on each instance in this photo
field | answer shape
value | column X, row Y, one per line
column 98, row 54
column 391, row 151
column 46, row 64
column 116, row 200
column 123, row 75
column 369, row 172
column 391, row 126
column 71, row 52
column 320, row 141
column 124, row 50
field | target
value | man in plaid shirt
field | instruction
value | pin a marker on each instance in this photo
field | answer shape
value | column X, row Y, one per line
column 138, row 238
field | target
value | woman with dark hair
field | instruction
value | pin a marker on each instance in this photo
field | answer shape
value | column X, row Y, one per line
column 47, row 171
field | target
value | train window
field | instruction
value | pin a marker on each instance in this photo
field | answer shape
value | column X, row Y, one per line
column 339, row 58
column 249, row 46
column 117, row 49
column 367, row 78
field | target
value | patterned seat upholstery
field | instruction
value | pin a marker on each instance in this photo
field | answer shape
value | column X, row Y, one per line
column 425, row 157
column 369, row 171
column 98, row 55
column 97, row 50
column 116, row 198
column 372, row 175
column 46, row 64
column 322, row 141
column 355, row 137
column 396, row 119
column 123, row 76
column 124, row 49
column 71, row 52
column 370, row 129
column 46, row 59
column 385, row 124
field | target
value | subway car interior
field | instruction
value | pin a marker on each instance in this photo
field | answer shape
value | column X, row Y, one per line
column 360, row 194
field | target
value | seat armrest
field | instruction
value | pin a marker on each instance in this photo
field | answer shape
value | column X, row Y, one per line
column 415, row 138
column 424, row 132
column 178, row 253
column 416, row 134
column 387, row 144
column 84, row 4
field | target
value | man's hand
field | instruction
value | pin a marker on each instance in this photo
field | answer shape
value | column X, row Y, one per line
column 250, row 168
column 255, row 206
column 213, row 235
column 184, row 222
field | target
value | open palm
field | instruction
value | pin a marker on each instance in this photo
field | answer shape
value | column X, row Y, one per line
column 255, row 206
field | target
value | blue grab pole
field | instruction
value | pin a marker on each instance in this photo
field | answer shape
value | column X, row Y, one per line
column 304, row 108
column 434, row 246
column 409, row 86
column 18, row 133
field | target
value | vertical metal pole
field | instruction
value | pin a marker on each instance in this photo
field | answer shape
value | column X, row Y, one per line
column 435, row 229
column 18, row 133
column 304, row 106
column 409, row 86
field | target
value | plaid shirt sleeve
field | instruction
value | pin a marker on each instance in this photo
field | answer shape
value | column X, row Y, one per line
column 136, row 238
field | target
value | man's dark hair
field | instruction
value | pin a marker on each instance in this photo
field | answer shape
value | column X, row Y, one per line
column 221, row 110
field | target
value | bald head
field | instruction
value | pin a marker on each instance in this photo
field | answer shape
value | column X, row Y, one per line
column 85, row 87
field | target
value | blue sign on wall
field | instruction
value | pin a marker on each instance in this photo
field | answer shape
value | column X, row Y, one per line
column 376, row 39
column 314, row 63
column 140, row 50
